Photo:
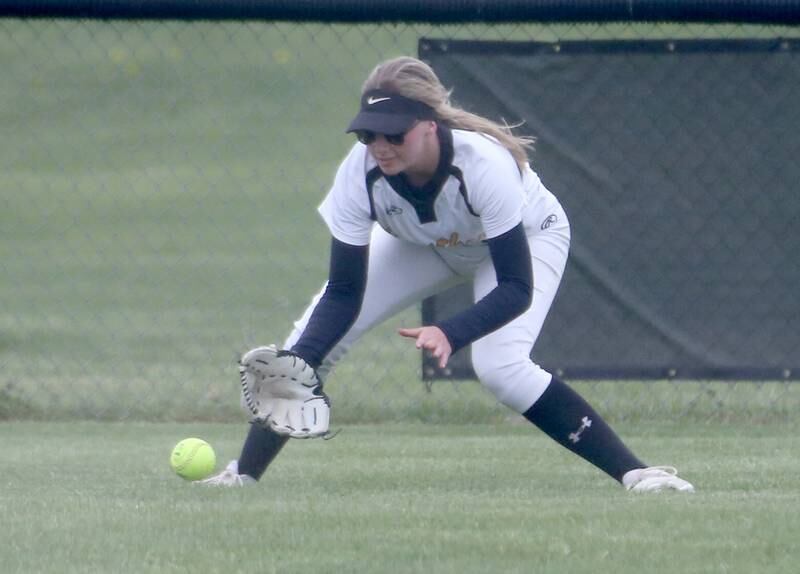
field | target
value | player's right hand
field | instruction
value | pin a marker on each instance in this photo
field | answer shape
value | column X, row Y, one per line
column 433, row 340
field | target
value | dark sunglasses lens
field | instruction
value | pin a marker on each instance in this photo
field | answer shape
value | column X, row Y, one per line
column 395, row 139
column 365, row 137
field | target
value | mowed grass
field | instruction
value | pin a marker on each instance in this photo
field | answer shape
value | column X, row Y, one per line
column 99, row 497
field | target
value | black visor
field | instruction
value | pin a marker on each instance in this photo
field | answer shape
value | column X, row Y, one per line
column 388, row 113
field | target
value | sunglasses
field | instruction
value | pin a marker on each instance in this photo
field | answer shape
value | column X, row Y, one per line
column 368, row 137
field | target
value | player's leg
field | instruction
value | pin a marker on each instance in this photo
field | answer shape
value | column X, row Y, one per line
column 502, row 362
column 502, row 359
column 399, row 274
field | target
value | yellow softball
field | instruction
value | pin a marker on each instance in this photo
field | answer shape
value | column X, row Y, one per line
column 193, row 459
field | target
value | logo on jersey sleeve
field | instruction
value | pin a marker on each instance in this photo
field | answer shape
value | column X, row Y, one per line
column 549, row 220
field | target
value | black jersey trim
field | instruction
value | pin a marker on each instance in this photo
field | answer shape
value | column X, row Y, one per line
column 422, row 199
column 462, row 187
column 373, row 175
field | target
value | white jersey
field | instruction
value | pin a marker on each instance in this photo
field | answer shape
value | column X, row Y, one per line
column 477, row 193
column 431, row 238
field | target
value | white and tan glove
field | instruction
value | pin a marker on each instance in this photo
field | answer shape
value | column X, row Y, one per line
column 283, row 393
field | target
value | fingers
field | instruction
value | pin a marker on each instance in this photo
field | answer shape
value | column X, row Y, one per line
column 433, row 340
column 410, row 333
column 418, row 333
column 438, row 348
column 441, row 354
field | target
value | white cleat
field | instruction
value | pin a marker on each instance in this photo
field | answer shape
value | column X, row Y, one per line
column 229, row 477
column 655, row 479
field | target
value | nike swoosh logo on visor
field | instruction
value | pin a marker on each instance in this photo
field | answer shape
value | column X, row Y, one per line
column 373, row 100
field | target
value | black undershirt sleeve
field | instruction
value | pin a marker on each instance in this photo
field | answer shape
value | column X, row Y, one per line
column 339, row 306
column 512, row 296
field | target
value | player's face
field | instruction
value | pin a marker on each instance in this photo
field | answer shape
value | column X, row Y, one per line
column 416, row 153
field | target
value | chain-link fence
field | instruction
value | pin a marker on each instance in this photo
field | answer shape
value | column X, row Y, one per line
column 158, row 185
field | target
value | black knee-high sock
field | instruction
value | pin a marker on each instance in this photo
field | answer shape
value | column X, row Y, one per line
column 569, row 420
column 260, row 447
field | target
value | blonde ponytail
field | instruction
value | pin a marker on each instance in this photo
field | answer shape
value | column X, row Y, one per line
column 414, row 79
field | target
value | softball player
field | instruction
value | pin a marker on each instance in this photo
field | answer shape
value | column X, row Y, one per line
column 428, row 197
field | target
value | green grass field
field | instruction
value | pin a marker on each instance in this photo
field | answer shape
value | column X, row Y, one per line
column 92, row 498
column 157, row 192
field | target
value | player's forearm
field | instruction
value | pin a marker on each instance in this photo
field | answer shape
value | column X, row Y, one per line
column 512, row 296
column 339, row 306
column 500, row 306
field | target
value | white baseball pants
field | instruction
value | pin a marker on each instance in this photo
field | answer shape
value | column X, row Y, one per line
column 401, row 274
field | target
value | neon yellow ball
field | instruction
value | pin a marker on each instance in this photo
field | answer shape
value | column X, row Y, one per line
column 193, row 459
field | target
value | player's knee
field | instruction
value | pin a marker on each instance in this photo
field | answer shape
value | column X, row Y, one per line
column 514, row 383
column 497, row 375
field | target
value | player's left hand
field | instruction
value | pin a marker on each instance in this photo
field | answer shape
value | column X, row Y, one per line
column 433, row 340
